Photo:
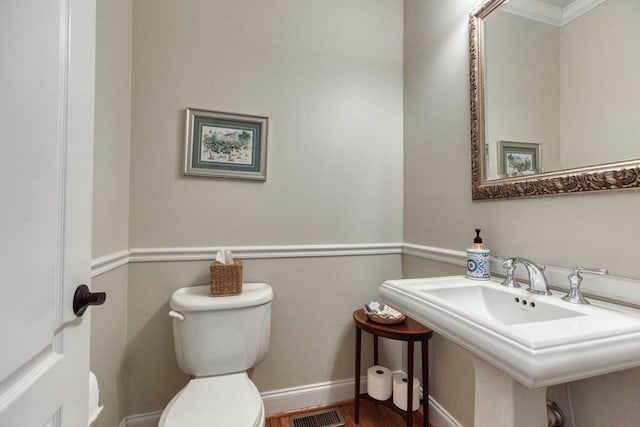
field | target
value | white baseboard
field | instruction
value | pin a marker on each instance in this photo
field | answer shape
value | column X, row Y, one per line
column 440, row 417
column 309, row 395
column 149, row 419
column 305, row 396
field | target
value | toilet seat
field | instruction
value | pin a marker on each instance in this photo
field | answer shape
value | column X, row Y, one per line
column 220, row 401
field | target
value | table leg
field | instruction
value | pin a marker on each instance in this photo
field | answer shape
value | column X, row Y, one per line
column 375, row 357
column 410, row 383
column 357, row 375
column 425, row 382
column 375, row 349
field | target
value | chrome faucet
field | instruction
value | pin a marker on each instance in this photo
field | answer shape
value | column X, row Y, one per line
column 537, row 280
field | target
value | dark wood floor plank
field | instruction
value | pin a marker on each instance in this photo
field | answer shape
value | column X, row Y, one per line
column 371, row 415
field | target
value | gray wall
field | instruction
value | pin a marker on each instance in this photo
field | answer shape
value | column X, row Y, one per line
column 586, row 229
column 331, row 83
column 111, row 200
column 108, row 345
column 112, row 127
column 329, row 77
column 451, row 375
column 312, row 334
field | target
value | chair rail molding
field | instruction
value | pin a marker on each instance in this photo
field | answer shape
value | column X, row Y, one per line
column 110, row 262
column 610, row 289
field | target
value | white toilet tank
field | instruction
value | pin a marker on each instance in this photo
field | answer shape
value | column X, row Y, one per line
column 221, row 335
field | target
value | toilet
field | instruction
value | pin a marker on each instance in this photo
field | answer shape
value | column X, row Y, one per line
column 217, row 339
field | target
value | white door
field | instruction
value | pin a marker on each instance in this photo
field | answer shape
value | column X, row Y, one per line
column 46, row 148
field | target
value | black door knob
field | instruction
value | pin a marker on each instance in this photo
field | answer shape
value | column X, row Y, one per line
column 83, row 298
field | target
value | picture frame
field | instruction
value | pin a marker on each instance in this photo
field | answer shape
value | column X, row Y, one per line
column 518, row 158
column 225, row 145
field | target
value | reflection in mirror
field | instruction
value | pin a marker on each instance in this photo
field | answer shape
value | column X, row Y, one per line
column 553, row 93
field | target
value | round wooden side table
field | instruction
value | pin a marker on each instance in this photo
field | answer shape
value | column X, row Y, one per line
column 409, row 331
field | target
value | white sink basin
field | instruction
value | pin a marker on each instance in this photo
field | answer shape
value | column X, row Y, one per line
column 539, row 340
column 495, row 305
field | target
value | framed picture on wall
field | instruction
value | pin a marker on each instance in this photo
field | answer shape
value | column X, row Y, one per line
column 518, row 158
column 225, row 145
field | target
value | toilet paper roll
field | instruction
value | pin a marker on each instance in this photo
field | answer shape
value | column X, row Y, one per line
column 94, row 396
column 379, row 382
column 400, row 389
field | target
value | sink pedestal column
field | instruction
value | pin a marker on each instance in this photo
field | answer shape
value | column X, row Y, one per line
column 501, row 401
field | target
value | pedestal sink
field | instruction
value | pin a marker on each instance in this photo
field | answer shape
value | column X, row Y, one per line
column 521, row 342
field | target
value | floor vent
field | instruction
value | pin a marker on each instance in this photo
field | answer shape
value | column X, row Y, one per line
column 325, row 418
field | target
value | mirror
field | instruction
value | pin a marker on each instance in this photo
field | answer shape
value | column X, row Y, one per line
column 554, row 97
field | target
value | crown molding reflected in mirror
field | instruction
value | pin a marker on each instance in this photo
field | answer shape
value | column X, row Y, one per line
column 615, row 175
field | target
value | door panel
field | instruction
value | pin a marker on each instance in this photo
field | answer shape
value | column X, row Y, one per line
column 30, row 86
column 46, row 136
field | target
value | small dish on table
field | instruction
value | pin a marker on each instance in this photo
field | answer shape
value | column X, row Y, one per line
column 382, row 313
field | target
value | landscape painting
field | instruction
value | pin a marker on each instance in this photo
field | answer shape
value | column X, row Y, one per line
column 225, row 145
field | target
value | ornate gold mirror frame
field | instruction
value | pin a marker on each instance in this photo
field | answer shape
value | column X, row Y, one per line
column 606, row 176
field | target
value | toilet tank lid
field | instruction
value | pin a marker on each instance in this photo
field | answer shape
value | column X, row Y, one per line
column 199, row 298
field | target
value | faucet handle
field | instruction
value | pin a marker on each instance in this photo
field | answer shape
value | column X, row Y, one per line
column 574, row 295
column 599, row 270
column 508, row 263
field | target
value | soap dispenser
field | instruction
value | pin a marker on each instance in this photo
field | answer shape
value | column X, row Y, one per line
column 478, row 266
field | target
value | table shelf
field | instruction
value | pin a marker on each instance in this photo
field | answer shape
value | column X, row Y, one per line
column 410, row 331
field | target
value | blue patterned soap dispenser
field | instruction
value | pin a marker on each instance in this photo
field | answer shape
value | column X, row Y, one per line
column 478, row 266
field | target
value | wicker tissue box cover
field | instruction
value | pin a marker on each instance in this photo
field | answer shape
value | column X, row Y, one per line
column 226, row 279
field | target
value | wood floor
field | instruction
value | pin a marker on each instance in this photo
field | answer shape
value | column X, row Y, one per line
column 371, row 415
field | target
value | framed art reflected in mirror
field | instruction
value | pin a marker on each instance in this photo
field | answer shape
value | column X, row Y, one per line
column 518, row 158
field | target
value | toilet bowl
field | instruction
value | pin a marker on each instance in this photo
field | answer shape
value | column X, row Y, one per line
column 227, row 400
column 216, row 340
